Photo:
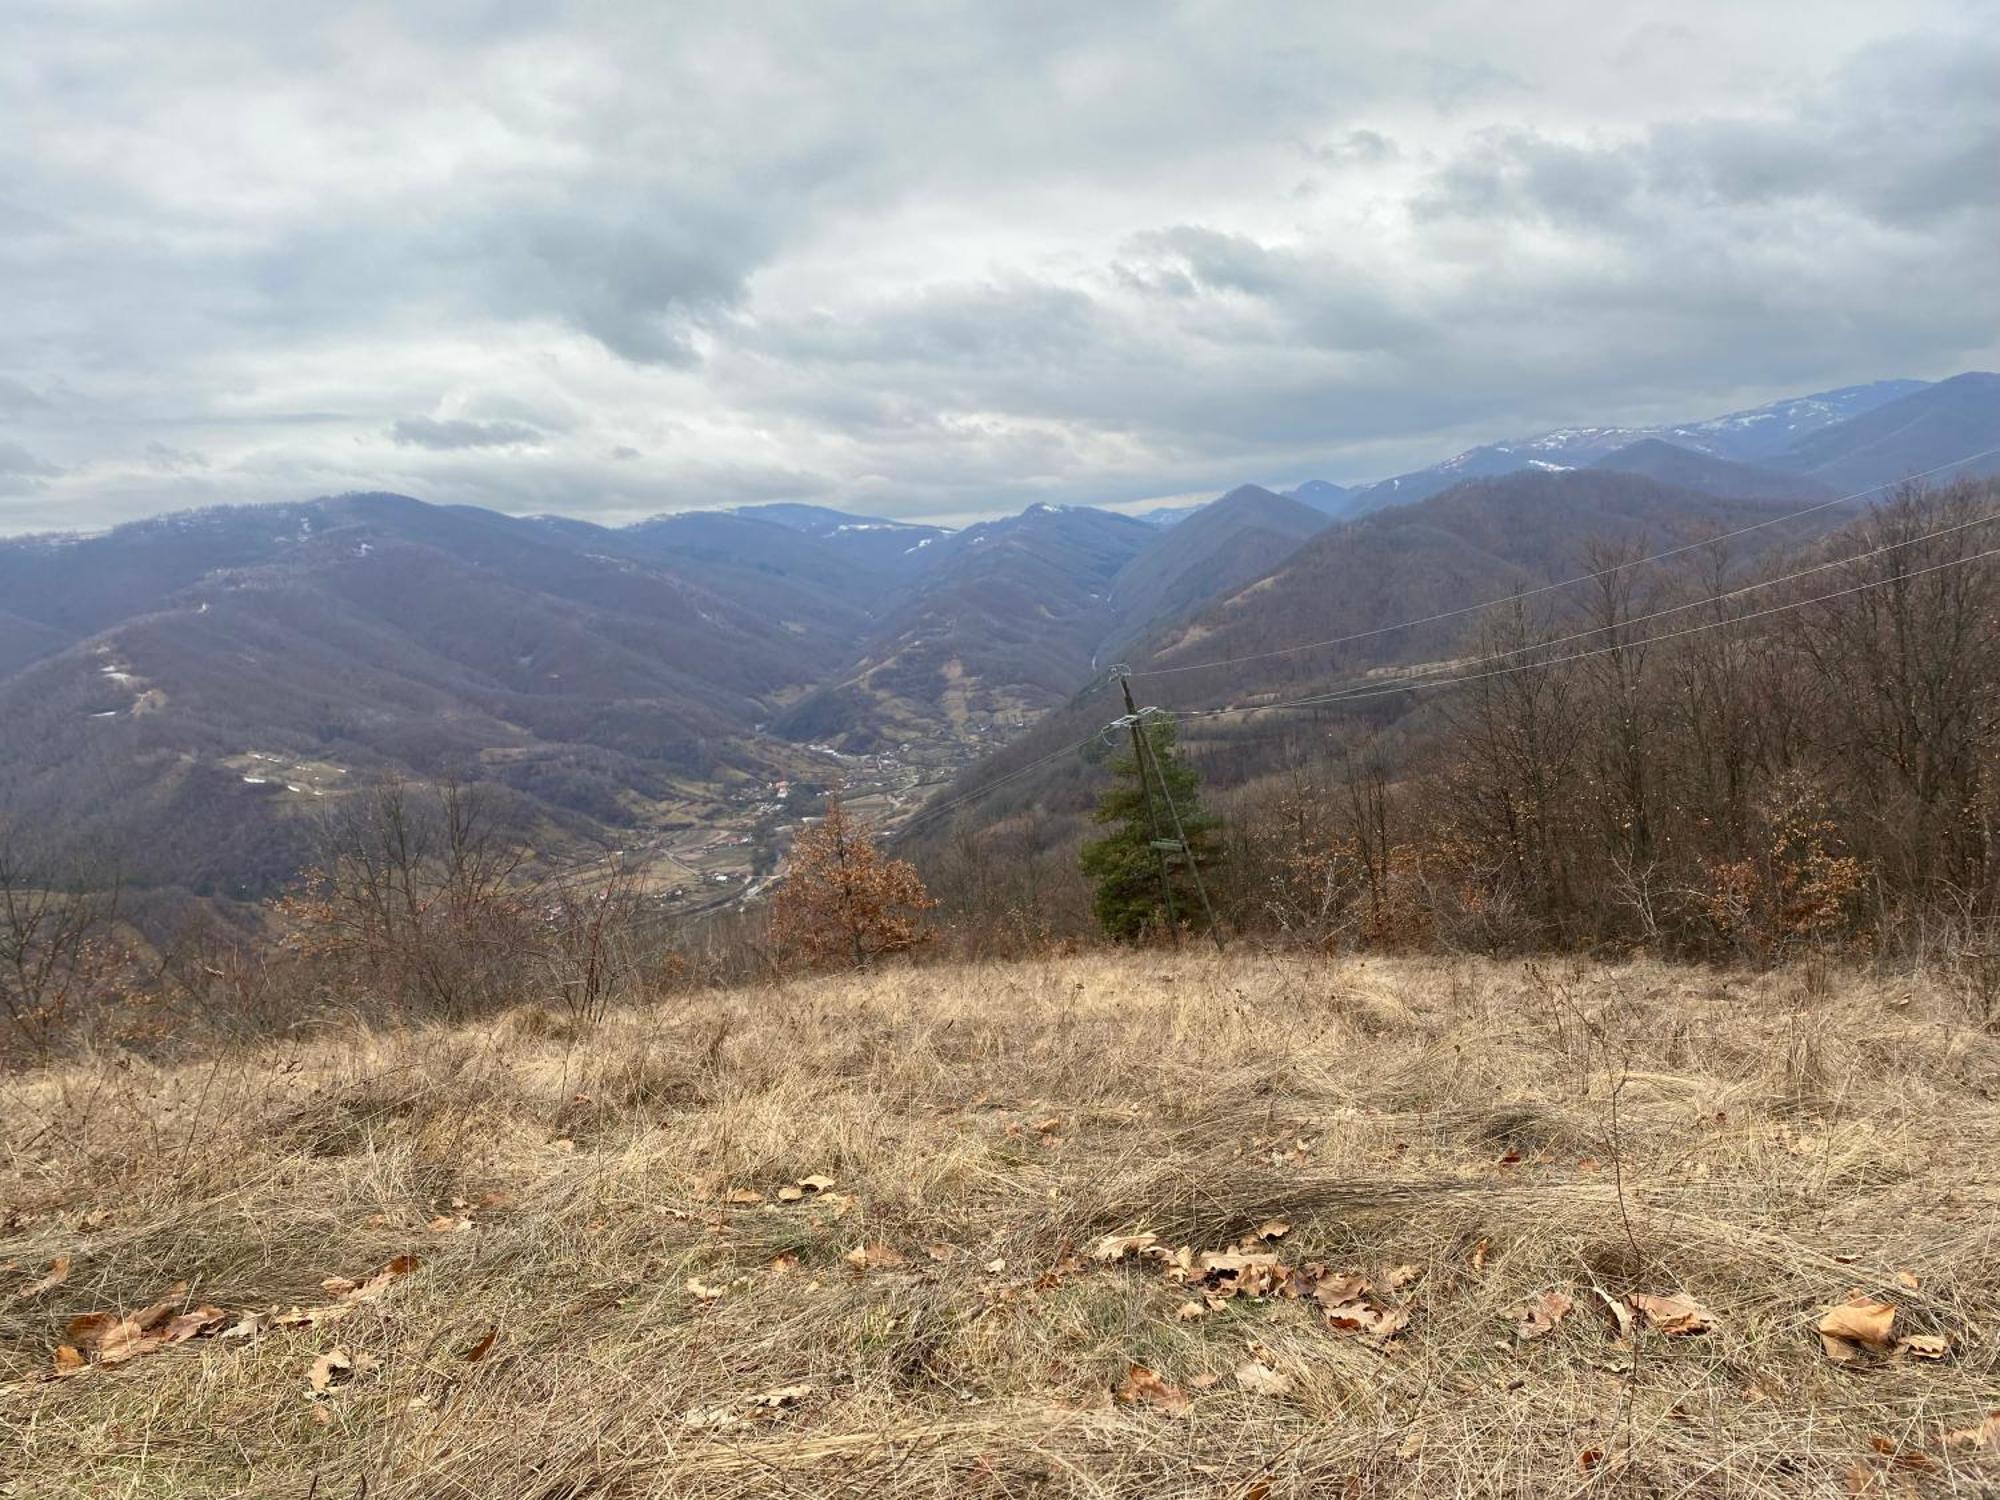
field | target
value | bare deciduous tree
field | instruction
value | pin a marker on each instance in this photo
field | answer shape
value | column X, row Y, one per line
column 56, row 949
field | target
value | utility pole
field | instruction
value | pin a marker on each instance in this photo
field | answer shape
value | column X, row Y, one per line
column 1159, row 839
column 1187, row 850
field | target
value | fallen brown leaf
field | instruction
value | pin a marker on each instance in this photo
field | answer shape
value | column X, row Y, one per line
column 817, row 1183
column 1899, row 1456
column 709, row 1417
column 1405, row 1276
column 86, row 1330
column 124, row 1340
column 192, row 1325
column 1542, row 1314
column 69, row 1360
column 1479, row 1258
column 1115, row 1247
column 1141, row 1387
column 1856, row 1324
column 1924, row 1346
column 249, row 1326
column 875, row 1257
column 477, row 1351
column 1985, row 1435
column 382, row 1278
column 329, row 1369
column 1621, row 1315
column 1274, row 1229
column 1260, row 1379
column 58, row 1273
column 743, row 1196
column 1675, row 1316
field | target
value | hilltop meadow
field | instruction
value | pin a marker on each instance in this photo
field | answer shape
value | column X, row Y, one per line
column 1255, row 1226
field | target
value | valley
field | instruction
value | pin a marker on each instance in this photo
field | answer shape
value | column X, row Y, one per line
column 197, row 691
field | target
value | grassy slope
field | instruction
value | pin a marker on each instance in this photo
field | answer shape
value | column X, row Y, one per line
column 1778, row 1148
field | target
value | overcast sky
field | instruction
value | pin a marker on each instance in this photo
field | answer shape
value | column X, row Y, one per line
column 945, row 259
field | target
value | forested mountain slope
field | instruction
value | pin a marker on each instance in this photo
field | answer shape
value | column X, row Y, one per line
column 1355, row 584
column 1227, row 543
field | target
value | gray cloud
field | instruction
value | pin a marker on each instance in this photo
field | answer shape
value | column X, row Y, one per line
column 18, row 461
column 16, row 397
column 946, row 258
column 459, row 432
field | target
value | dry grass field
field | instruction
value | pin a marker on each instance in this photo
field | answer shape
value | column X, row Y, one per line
column 1422, row 1228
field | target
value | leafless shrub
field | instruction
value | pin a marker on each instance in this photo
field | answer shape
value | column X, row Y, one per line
column 59, row 955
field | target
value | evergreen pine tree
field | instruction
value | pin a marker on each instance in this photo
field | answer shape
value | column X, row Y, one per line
column 1123, row 864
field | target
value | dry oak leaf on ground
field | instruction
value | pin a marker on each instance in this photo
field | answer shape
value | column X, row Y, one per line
column 771, row 1405
column 375, row 1283
column 1859, row 1323
column 115, row 1339
column 1141, row 1387
column 1349, row 1305
column 1924, row 1346
column 58, row 1273
column 1985, row 1435
column 1259, row 1379
column 337, row 1368
column 1542, row 1314
column 876, row 1257
column 1115, row 1247
column 1676, row 1316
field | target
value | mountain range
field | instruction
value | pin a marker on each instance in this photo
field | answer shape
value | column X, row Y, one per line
column 1849, row 439
column 189, row 691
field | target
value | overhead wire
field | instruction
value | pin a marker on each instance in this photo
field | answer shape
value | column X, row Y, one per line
column 1414, row 684
column 1470, row 609
column 1705, row 601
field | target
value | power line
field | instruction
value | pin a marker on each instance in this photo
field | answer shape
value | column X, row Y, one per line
column 1470, row 609
column 1675, row 609
column 1414, row 684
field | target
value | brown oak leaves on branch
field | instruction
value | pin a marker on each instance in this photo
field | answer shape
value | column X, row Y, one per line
column 843, row 903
